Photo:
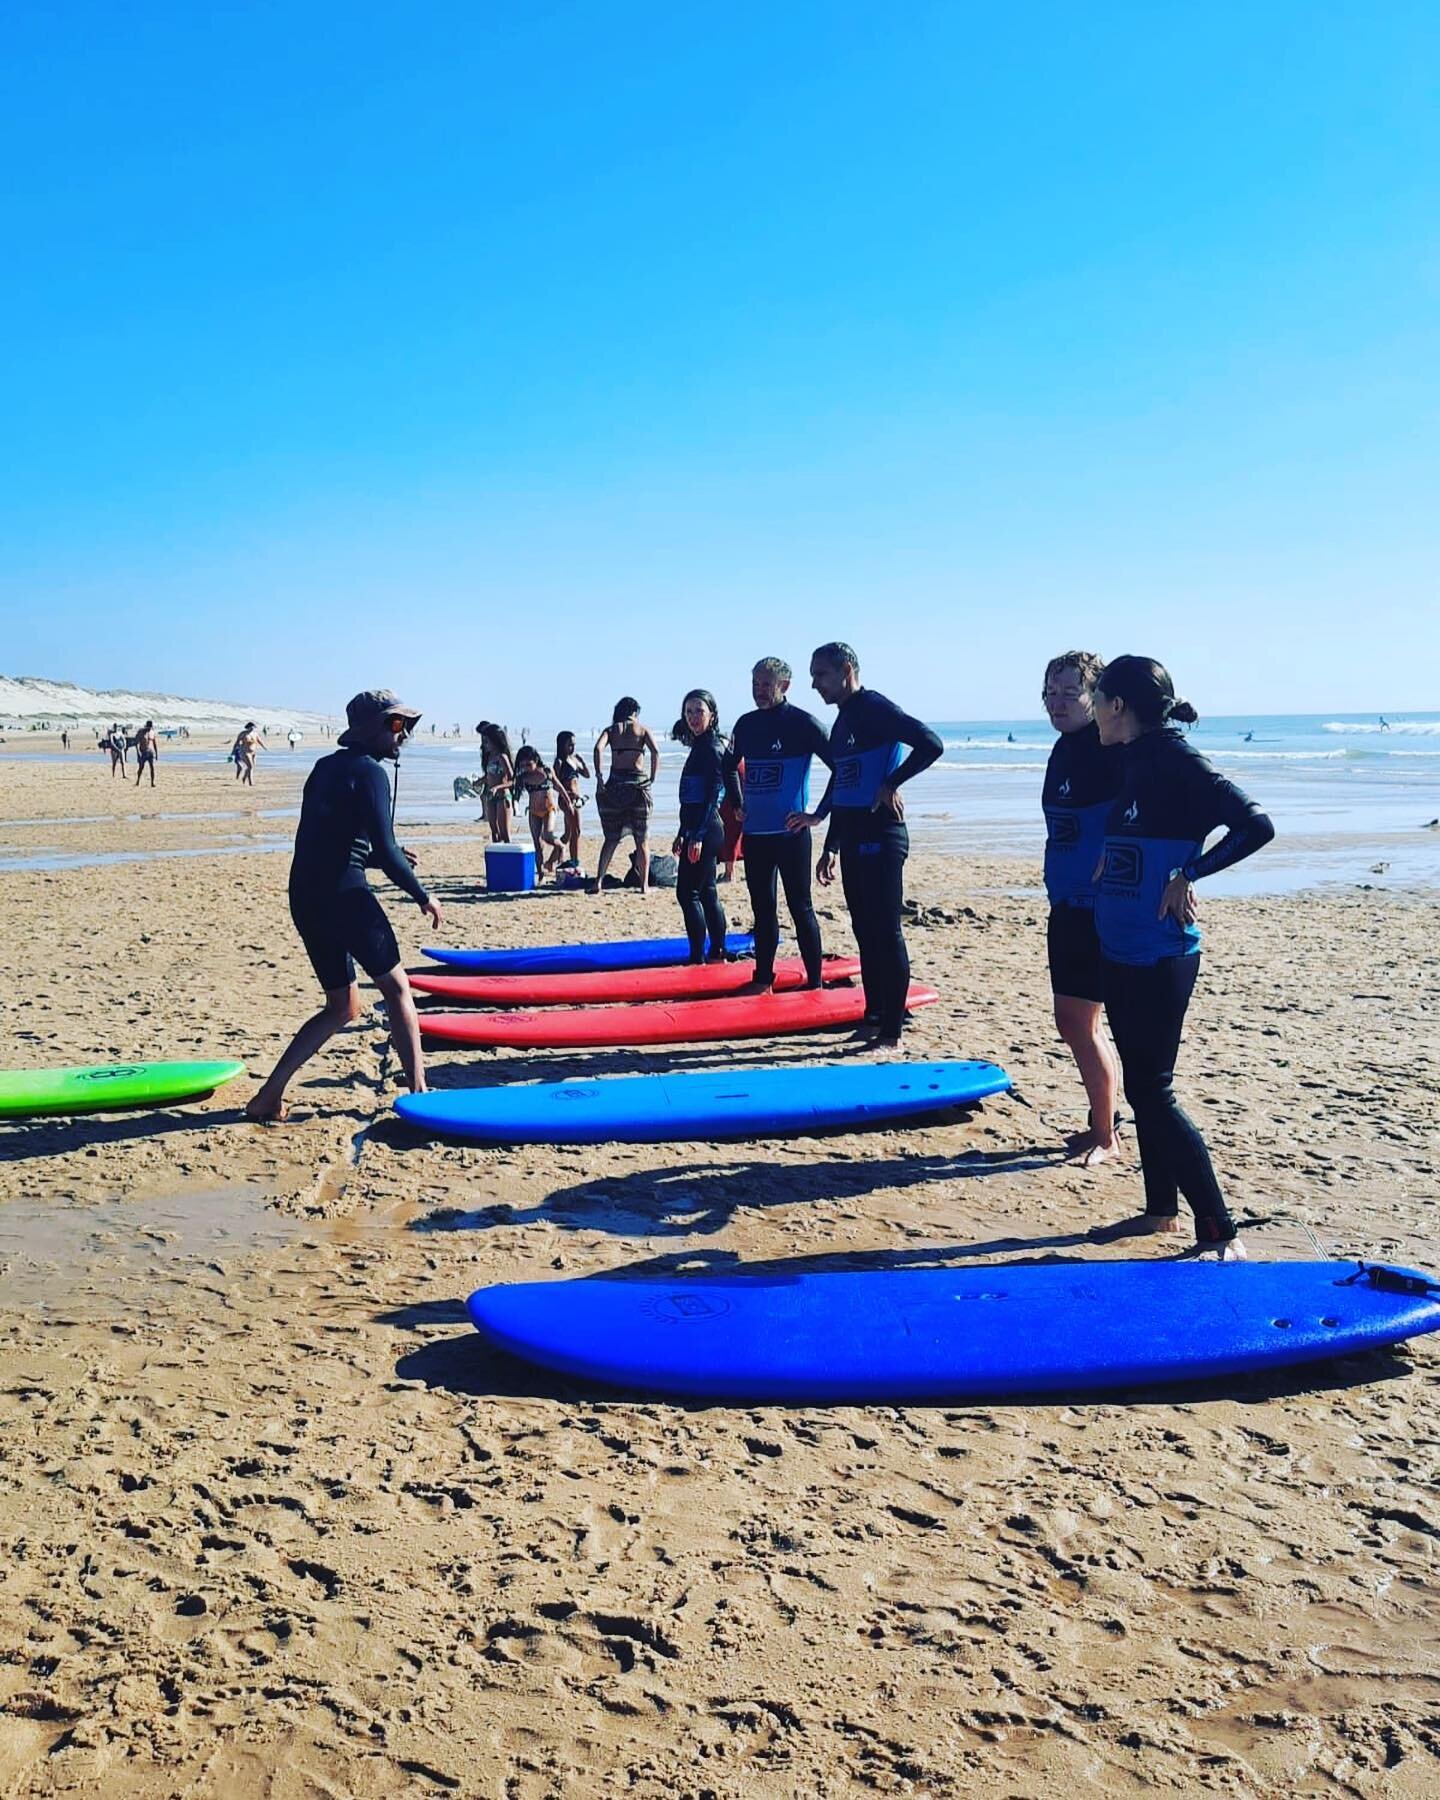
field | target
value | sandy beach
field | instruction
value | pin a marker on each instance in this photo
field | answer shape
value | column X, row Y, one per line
column 275, row 1522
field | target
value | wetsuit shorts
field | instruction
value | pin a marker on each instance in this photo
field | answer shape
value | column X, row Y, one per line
column 347, row 928
column 1074, row 947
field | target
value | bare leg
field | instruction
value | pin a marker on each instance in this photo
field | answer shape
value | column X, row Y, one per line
column 642, row 862
column 404, row 1026
column 608, row 848
column 341, row 1008
column 1080, row 1023
column 572, row 836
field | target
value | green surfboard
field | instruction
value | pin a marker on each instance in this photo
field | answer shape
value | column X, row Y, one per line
column 29, row 1093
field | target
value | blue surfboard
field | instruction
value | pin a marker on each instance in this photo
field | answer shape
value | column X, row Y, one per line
column 952, row 1334
column 581, row 959
column 646, row 1109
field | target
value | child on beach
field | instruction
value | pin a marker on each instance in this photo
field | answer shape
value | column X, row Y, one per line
column 498, row 780
column 541, row 785
column 570, row 766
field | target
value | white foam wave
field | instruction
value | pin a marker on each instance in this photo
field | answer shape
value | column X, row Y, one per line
column 1394, row 728
column 987, row 744
column 993, row 767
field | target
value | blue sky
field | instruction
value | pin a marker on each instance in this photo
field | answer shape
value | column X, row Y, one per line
column 519, row 356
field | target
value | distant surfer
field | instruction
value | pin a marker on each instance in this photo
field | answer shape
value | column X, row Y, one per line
column 1169, row 801
column 345, row 828
column 147, row 748
column 705, row 781
column 1249, row 737
column 1081, row 781
column 623, row 798
column 867, row 831
column 1384, row 723
column 771, row 750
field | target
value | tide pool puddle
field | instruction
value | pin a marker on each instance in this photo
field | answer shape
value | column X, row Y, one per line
column 66, row 1255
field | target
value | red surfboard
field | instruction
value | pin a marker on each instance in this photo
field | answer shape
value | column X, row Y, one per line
column 688, row 982
column 690, row 1022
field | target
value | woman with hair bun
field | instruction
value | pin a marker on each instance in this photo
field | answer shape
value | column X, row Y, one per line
column 704, row 783
column 1169, row 802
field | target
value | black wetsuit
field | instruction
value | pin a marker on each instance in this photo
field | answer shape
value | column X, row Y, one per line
column 704, row 782
column 776, row 745
column 345, row 830
column 1170, row 800
column 865, row 755
column 1081, row 779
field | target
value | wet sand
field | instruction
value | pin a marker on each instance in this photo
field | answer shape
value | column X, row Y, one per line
column 275, row 1523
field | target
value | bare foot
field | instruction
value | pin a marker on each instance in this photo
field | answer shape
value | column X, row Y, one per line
column 1140, row 1225
column 1092, row 1156
column 757, row 984
column 261, row 1111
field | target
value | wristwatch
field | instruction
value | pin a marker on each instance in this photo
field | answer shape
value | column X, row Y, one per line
column 1174, row 872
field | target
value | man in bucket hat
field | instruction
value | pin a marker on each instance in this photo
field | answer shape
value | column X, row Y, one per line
column 345, row 828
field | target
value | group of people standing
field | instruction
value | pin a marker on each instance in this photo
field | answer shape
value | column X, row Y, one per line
column 117, row 743
column 1128, row 806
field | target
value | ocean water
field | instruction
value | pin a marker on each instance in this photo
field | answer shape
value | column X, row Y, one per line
column 1345, row 794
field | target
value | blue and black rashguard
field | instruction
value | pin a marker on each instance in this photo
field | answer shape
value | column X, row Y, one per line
column 776, row 745
column 1082, row 779
column 1169, row 802
column 344, row 830
column 705, row 781
column 866, row 744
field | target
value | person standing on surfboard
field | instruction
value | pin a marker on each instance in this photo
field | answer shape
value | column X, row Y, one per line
column 867, row 830
column 1081, row 780
column 1169, row 801
column 705, row 781
column 345, row 828
column 771, row 750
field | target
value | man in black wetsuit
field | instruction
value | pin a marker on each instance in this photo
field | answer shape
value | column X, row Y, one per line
column 345, row 828
column 775, row 745
column 867, row 827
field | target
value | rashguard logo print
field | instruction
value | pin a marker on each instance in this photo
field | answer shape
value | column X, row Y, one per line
column 1064, row 790
column 762, row 776
column 847, row 772
column 1064, row 829
column 1123, row 865
column 1132, row 812
column 775, row 748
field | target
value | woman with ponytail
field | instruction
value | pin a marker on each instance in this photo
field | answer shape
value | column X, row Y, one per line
column 1169, row 802
column 704, row 783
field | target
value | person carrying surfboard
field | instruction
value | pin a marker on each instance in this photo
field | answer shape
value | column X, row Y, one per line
column 1081, row 779
column 771, row 750
column 1168, row 803
column 867, row 833
column 346, row 828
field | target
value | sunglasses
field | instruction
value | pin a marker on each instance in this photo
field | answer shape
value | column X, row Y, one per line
column 400, row 727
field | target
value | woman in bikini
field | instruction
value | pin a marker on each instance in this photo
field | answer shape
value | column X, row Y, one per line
column 498, row 779
column 540, row 786
column 570, row 766
column 623, row 798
